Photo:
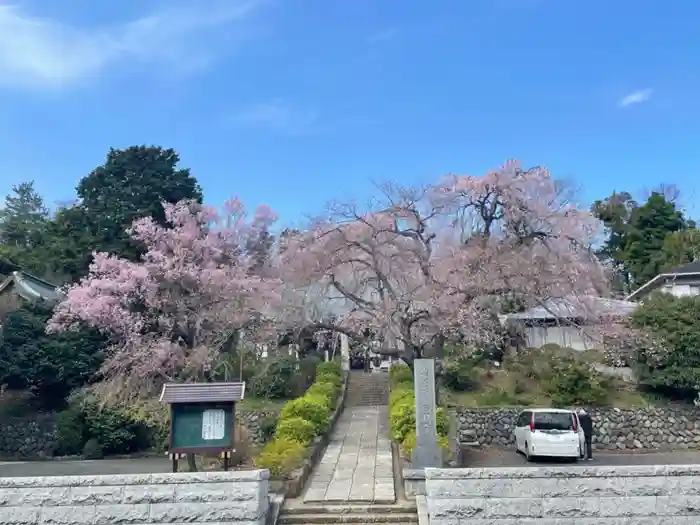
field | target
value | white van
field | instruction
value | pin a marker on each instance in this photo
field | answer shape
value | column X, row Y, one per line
column 549, row 432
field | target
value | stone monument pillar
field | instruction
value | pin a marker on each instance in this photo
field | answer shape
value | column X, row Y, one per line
column 427, row 452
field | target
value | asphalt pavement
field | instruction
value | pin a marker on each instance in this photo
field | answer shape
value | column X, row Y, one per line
column 483, row 457
column 499, row 457
column 9, row 469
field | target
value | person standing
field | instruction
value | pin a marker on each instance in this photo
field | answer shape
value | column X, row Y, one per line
column 587, row 427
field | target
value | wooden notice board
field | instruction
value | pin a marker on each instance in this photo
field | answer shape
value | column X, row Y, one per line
column 202, row 426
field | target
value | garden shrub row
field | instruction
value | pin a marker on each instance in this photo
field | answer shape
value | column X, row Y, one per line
column 402, row 411
column 301, row 420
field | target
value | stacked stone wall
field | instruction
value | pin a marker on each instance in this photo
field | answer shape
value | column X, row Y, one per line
column 668, row 428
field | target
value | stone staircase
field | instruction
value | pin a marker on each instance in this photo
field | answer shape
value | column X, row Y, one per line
column 367, row 389
column 323, row 514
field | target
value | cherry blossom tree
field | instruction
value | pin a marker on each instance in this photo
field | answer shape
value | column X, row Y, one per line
column 442, row 262
column 169, row 315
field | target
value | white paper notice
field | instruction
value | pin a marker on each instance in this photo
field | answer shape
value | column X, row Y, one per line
column 213, row 424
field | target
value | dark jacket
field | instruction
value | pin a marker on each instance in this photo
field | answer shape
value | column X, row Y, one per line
column 586, row 424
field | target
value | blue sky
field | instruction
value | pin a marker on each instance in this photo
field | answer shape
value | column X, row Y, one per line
column 294, row 102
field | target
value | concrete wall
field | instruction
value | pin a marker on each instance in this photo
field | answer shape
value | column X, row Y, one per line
column 564, row 336
column 627, row 495
column 208, row 497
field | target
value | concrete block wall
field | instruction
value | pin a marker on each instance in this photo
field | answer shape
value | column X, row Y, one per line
column 625, row 495
column 207, row 497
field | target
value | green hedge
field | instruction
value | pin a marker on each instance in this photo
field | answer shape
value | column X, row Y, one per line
column 402, row 411
column 301, row 420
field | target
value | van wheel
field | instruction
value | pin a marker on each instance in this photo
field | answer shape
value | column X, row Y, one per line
column 528, row 457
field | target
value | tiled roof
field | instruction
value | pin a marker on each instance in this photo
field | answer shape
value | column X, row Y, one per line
column 585, row 307
column 202, row 392
column 30, row 287
column 693, row 267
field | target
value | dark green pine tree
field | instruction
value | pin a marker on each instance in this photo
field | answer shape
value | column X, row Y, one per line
column 132, row 183
column 650, row 224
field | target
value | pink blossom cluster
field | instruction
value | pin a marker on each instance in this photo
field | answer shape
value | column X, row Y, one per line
column 171, row 311
column 441, row 260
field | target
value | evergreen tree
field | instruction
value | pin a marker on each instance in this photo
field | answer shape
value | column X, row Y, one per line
column 649, row 226
column 616, row 212
column 24, row 217
column 23, row 222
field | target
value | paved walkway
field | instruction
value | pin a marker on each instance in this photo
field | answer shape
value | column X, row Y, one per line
column 357, row 465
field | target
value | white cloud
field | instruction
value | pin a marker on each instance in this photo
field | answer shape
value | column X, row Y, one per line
column 636, row 97
column 40, row 52
column 385, row 35
column 280, row 118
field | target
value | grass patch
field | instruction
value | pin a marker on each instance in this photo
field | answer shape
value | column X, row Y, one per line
column 543, row 378
column 256, row 403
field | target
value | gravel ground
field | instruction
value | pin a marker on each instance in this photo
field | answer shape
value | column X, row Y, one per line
column 498, row 457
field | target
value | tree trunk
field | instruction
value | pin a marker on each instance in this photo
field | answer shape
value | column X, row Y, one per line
column 191, row 463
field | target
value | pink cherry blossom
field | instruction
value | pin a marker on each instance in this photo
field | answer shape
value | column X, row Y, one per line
column 426, row 264
column 169, row 314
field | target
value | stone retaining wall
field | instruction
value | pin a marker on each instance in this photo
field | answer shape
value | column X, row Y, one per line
column 630, row 495
column 223, row 497
column 254, row 420
column 613, row 428
column 35, row 436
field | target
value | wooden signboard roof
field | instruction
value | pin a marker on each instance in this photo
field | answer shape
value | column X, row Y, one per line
column 202, row 392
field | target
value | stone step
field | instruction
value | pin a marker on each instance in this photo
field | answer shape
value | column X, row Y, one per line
column 386, row 517
column 367, row 389
column 349, row 508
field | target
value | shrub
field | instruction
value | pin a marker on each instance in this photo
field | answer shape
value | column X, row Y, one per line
column 312, row 409
column 324, row 389
column 402, row 419
column 331, row 378
column 50, row 366
column 111, row 427
column 400, row 374
column 460, row 376
column 409, row 443
column 296, row 429
column 400, row 394
column 674, row 324
column 152, row 418
column 498, row 397
column 276, row 379
column 268, row 428
column 85, row 418
column 280, row 457
column 442, row 422
column 329, row 368
column 70, row 431
column 575, row 383
column 93, row 449
column 321, row 399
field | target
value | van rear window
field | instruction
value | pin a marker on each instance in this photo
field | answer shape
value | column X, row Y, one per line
column 554, row 421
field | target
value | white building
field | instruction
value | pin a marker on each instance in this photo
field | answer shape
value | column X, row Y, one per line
column 682, row 281
column 564, row 322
